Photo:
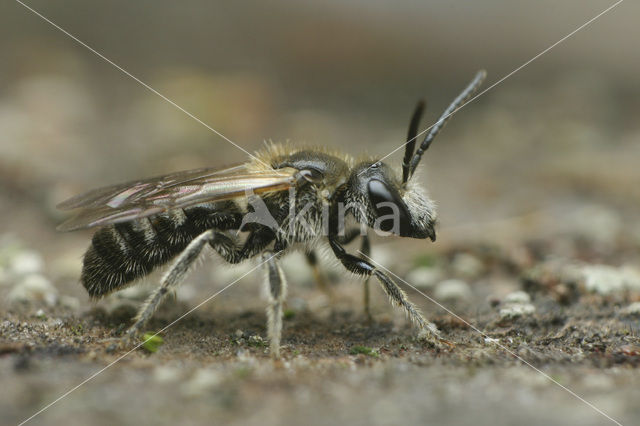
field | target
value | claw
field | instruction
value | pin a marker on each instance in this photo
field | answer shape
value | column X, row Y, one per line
column 430, row 334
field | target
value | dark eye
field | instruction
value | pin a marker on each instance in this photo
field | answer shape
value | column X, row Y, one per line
column 380, row 192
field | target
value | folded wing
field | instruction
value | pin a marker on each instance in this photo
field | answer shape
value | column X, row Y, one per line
column 148, row 197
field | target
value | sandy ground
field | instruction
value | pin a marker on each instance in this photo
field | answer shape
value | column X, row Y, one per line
column 551, row 342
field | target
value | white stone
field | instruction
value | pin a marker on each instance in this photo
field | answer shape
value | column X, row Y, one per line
column 452, row 290
column 606, row 280
column 26, row 262
column 517, row 310
column 632, row 309
column 424, row 277
column 33, row 288
column 517, row 297
column 467, row 265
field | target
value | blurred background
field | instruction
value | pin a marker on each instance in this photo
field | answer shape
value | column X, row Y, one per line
column 551, row 150
column 550, row 154
column 560, row 134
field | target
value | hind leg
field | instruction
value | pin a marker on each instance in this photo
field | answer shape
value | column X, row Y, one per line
column 170, row 281
column 277, row 292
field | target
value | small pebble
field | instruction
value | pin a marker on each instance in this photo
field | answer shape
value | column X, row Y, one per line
column 606, row 280
column 467, row 265
column 452, row 290
column 517, row 310
column 517, row 297
column 424, row 277
column 26, row 262
column 33, row 288
column 632, row 309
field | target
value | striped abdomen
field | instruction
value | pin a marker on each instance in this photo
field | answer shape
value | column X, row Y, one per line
column 124, row 252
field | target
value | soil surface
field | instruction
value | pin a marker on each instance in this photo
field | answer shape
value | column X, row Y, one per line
column 530, row 344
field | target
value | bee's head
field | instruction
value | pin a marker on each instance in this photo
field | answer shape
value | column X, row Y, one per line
column 384, row 201
column 377, row 198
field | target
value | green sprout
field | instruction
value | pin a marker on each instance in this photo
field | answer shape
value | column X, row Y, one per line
column 355, row 350
column 152, row 342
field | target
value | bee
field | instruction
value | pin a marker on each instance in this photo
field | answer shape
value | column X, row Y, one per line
column 282, row 199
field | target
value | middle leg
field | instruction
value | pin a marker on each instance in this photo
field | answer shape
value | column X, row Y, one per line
column 319, row 276
column 277, row 292
column 365, row 248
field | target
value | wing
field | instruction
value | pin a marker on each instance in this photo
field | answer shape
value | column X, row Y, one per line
column 147, row 197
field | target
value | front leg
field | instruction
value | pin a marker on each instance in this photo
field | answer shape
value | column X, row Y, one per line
column 396, row 295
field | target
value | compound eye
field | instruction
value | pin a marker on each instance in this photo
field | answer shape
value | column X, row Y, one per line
column 381, row 195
